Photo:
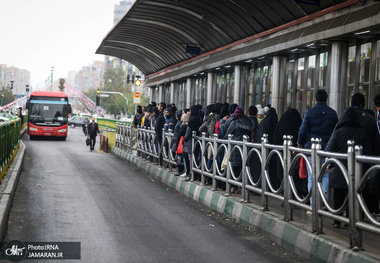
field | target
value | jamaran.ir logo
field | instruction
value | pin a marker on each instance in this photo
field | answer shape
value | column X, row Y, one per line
column 15, row 250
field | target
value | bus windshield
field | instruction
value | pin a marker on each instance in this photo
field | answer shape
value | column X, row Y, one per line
column 48, row 111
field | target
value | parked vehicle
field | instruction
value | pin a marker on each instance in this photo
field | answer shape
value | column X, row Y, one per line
column 6, row 116
column 77, row 121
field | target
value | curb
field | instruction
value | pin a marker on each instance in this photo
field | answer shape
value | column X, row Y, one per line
column 10, row 182
column 288, row 235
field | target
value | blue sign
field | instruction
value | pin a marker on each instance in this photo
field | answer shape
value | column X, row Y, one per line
column 310, row 2
column 194, row 50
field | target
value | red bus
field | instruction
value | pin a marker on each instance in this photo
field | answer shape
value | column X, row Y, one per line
column 48, row 114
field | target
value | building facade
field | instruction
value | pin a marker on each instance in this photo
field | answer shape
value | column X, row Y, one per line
column 19, row 77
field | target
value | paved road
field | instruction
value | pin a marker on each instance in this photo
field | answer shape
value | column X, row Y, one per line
column 119, row 214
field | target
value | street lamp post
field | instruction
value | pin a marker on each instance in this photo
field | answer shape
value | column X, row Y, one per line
column 51, row 78
column 27, row 90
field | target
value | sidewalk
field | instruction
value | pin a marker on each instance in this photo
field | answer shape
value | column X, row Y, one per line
column 296, row 235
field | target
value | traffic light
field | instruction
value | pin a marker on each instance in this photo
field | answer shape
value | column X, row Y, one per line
column 133, row 78
column 128, row 78
column 98, row 98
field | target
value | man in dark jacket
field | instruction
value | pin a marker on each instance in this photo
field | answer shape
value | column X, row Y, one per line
column 93, row 131
column 319, row 122
column 137, row 118
column 160, row 122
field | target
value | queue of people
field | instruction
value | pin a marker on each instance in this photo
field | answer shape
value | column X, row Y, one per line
column 320, row 121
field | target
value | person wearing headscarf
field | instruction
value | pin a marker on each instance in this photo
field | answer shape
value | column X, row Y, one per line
column 347, row 128
column 252, row 115
column 368, row 122
column 223, row 113
column 376, row 100
column 266, row 126
column 227, row 120
column 176, row 136
column 260, row 113
column 240, row 125
column 186, row 131
column 289, row 124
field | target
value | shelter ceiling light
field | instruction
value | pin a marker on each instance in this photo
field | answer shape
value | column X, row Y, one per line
column 228, row 66
column 362, row 32
column 217, row 68
column 248, row 61
column 294, row 50
column 310, row 45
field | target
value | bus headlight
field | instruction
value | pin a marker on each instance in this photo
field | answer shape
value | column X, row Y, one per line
column 62, row 130
column 33, row 129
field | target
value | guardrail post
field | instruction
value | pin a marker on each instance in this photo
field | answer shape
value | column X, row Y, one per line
column 264, row 188
column 317, row 223
column 170, row 149
column 203, row 150
column 358, row 213
column 191, row 156
column 351, row 191
column 228, row 186
column 214, row 162
column 244, row 192
column 287, row 155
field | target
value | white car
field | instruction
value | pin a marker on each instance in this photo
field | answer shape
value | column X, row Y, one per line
column 3, row 119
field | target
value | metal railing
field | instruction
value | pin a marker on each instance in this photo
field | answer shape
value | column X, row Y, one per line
column 255, row 174
column 9, row 140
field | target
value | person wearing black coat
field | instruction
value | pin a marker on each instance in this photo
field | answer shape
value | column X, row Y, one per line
column 240, row 125
column 368, row 122
column 160, row 122
column 348, row 128
column 93, row 131
column 289, row 124
column 266, row 126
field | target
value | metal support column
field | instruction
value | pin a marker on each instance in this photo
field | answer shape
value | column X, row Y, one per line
column 172, row 92
column 236, row 94
column 357, row 65
column 372, row 75
column 335, row 89
column 150, row 94
column 278, row 88
column 209, row 89
column 160, row 93
column 188, row 93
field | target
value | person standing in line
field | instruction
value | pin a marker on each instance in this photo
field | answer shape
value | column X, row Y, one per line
column 252, row 115
column 19, row 114
column 376, row 100
column 319, row 122
column 93, row 131
column 160, row 122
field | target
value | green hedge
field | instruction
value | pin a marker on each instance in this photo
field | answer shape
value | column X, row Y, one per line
column 9, row 140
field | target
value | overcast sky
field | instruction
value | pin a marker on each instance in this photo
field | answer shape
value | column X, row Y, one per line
column 38, row 34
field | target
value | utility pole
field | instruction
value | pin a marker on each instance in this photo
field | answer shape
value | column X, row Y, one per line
column 51, row 78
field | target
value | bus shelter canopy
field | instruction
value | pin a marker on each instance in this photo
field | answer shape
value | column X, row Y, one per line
column 154, row 35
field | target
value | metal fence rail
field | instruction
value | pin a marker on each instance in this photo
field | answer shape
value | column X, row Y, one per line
column 9, row 139
column 259, row 164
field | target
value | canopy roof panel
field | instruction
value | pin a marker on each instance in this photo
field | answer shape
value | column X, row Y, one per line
column 153, row 35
